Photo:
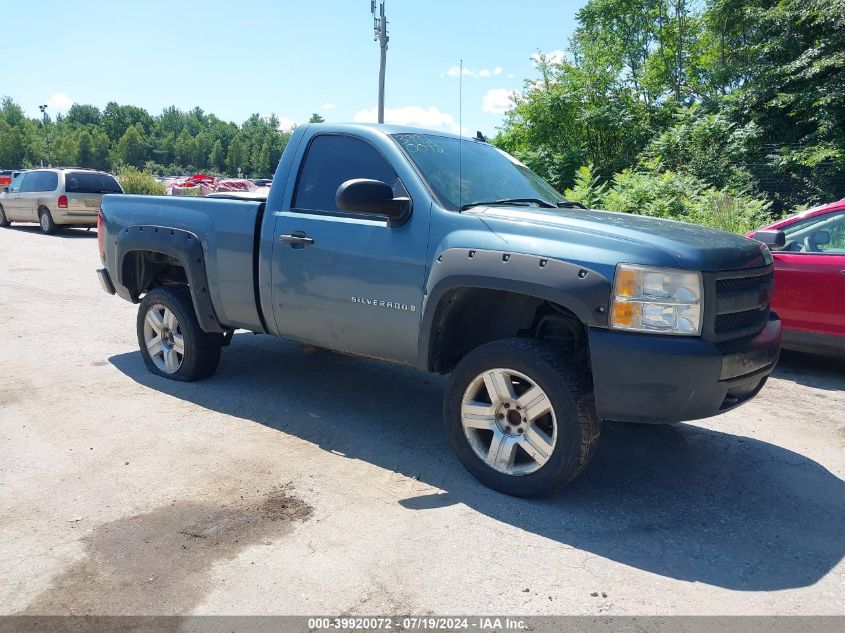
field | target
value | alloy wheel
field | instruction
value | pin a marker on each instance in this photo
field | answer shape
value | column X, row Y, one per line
column 163, row 338
column 509, row 421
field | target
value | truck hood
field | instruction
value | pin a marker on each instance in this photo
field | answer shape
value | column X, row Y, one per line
column 628, row 237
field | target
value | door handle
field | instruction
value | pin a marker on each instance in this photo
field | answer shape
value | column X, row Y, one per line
column 296, row 238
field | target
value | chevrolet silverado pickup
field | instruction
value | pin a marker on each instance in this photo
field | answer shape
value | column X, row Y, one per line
column 448, row 254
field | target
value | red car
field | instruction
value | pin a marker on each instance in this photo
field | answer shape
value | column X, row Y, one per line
column 809, row 296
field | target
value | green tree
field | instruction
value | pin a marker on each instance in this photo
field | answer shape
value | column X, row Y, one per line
column 261, row 161
column 83, row 152
column 236, row 156
column 217, row 158
column 80, row 114
column 99, row 149
column 117, row 119
column 316, row 118
column 132, row 149
column 793, row 92
column 200, row 149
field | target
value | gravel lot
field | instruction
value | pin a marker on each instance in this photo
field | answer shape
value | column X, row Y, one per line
column 298, row 481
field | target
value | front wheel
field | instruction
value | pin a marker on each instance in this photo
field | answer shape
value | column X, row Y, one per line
column 521, row 416
column 4, row 221
column 172, row 343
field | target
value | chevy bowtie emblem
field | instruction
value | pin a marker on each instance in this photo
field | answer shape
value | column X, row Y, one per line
column 390, row 305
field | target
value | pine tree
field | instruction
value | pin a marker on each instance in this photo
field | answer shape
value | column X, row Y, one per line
column 132, row 147
column 217, row 159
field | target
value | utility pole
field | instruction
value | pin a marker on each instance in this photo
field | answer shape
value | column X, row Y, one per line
column 380, row 36
column 45, row 119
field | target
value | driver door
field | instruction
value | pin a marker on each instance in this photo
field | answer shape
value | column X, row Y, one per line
column 809, row 290
column 341, row 280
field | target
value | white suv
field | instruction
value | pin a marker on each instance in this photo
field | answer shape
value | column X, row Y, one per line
column 56, row 197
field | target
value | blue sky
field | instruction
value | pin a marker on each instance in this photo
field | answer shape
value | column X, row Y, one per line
column 287, row 58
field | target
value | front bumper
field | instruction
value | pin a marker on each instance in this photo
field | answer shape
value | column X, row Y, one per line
column 659, row 378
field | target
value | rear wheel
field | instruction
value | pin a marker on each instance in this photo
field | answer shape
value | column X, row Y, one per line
column 45, row 219
column 4, row 221
column 521, row 416
column 172, row 343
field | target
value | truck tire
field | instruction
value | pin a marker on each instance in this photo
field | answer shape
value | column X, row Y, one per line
column 45, row 220
column 521, row 416
column 172, row 343
column 4, row 221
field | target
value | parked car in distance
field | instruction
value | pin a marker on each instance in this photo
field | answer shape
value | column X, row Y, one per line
column 809, row 292
column 8, row 175
column 548, row 316
column 56, row 197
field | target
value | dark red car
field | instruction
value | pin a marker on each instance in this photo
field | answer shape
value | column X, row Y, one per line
column 809, row 296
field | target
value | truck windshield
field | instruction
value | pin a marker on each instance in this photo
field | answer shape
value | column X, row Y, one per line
column 487, row 174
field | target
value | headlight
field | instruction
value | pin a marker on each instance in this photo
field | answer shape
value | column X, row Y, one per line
column 659, row 300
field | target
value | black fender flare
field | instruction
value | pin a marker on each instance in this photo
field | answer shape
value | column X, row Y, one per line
column 581, row 290
column 178, row 244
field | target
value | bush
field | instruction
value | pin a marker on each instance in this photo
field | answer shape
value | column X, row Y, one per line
column 138, row 182
column 671, row 195
column 657, row 194
column 707, row 146
column 587, row 189
column 729, row 212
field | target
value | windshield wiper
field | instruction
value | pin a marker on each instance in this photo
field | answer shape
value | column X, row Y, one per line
column 515, row 201
column 570, row 204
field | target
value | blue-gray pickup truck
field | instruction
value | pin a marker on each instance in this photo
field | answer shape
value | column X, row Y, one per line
column 448, row 254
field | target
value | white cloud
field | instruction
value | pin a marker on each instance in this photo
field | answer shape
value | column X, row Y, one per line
column 328, row 106
column 454, row 71
column 498, row 100
column 286, row 125
column 556, row 56
column 411, row 115
column 59, row 101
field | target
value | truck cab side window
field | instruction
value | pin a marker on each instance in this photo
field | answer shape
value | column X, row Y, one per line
column 332, row 160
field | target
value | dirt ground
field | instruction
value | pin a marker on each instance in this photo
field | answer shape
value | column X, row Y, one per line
column 306, row 482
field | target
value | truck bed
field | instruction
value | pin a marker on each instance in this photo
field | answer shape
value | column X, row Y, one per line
column 225, row 228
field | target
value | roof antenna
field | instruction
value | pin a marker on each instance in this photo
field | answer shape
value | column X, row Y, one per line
column 460, row 136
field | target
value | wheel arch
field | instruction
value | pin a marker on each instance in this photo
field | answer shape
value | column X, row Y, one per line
column 152, row 256
column 478, row 296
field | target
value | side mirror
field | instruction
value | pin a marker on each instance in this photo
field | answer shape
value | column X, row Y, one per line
column 771, row 238
column 5, row 190
column 372, row 197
